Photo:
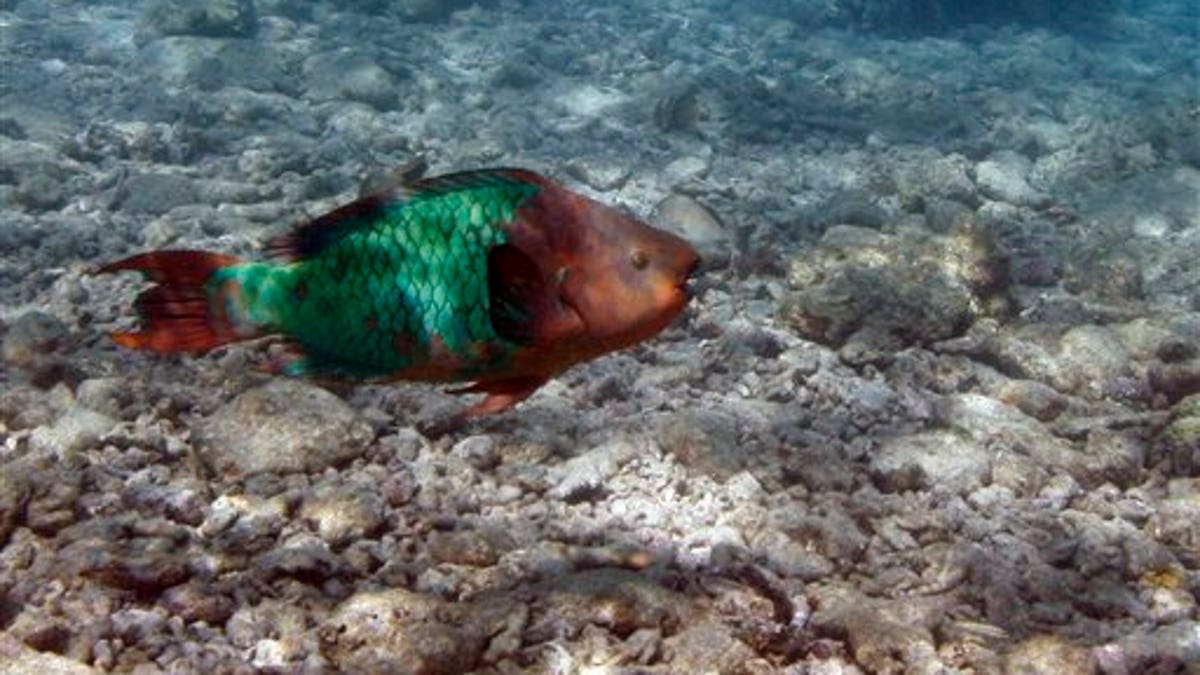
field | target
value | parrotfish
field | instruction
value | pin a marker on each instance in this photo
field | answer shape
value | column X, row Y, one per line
column 498, row 277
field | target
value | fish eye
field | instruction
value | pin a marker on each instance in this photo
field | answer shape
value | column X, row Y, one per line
column 639, row 259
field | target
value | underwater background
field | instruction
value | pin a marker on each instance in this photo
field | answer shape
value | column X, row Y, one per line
column 935, row 405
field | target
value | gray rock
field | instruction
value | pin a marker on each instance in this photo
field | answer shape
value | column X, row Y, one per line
column 620, row 600
column 602, row 176
column 819, row 468
column 916, row 288
column 703, row 547
column 479, row 451
column 41, row 191
column 686, row 169
column 788, row 557
column 1113, row 457
column 303, row 558
column 71, row 434
column 1175, row 380
column 134, row 625
column 211, row 65
column 270, row 654
column 464, row 547
column 137, row 140
column 105, row 395
column 1003, row 178
column 31, row 342
column 706, row 646
column 182, row 500
column 933, row 460
column 1090, row 358
column 1178, row 444
column 985, row 419
column 992, row 499
column 883, row 635
column 157, row 193
column 41, row 178
column 697, row 224
column 1169, row 648
column 1169, row 605
column 349, row 74
column 54, row 499
column 198, row 601
column 15, row 491
column 1035, row 399
column 244, row 523
column 703, row 440
column 287, row 622
column 929, row 177
column 21, row 659
column 1050, row 654
column 208, row 18
column 1022, row 355
column 679, row 111
column 1144, row 337
column 833, row 535
column 516, row 74
column 1176, row 524
column 396, row 631
column 1058, row 492
column 587, row 474
column 344, row 514
column 284, row 426
column 146, row 559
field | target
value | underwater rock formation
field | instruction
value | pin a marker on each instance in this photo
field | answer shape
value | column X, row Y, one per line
column 906, row 287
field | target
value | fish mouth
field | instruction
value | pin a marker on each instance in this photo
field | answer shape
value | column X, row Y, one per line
column 689, row 282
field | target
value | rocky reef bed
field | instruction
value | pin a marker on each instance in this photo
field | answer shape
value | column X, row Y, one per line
column 935, row 408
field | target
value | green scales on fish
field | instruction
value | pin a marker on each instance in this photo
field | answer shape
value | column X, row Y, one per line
column 406, row 279
column 501, row 276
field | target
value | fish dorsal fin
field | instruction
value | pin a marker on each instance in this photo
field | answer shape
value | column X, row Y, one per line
column 471, row 180
column 309, row 239
column 314, row 236
column 398, row 178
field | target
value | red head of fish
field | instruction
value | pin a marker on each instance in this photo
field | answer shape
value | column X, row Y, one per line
column 615, row 280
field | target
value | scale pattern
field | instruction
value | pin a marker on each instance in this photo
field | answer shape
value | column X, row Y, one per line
column 405, row 284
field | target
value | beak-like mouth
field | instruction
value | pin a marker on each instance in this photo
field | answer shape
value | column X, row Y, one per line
column 688, row 283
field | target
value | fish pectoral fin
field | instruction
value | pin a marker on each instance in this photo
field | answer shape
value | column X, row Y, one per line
column 501, row 394
column 517, row 291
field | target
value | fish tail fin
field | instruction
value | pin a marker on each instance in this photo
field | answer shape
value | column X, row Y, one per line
column 189, row 308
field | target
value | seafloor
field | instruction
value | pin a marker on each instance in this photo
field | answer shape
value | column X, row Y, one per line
column 935, row 407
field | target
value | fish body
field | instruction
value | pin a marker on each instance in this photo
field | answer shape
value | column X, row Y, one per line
column 500, row 277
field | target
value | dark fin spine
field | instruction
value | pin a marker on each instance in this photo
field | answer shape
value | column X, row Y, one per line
column 179, row 313
column 314, row 236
